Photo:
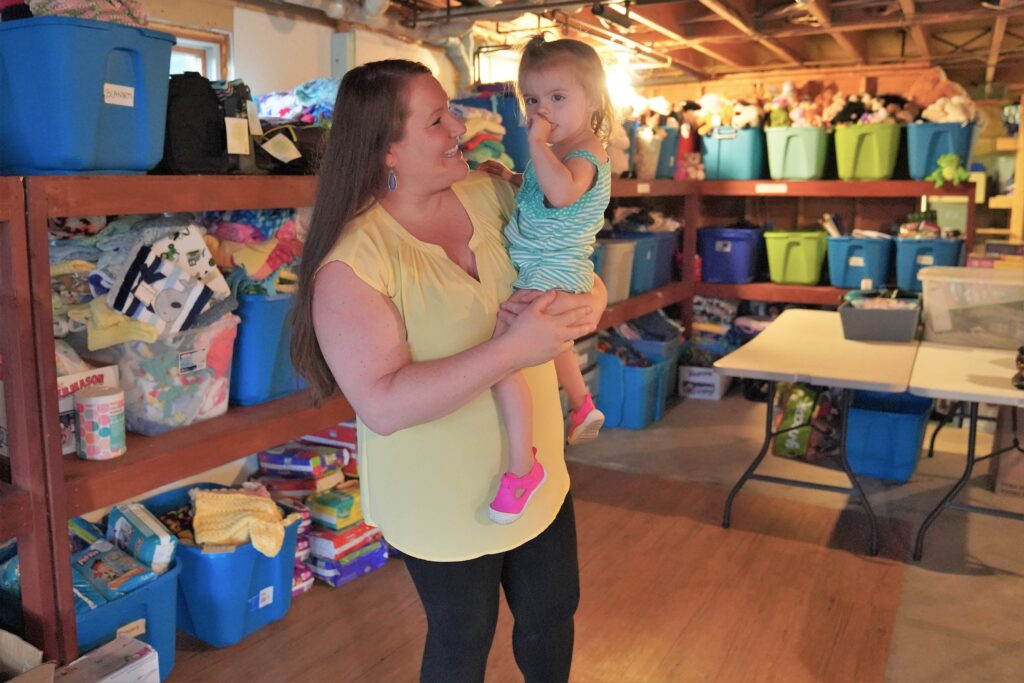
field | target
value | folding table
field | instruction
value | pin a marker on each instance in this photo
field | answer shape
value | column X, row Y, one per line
column 808, row 346
column 967, row 375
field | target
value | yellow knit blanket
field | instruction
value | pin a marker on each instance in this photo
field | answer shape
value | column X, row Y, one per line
column 227, row 517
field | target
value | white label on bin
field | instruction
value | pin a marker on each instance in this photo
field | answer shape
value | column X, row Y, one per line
column 266, row 596
column 121, row 95
column 723, row 246
column 191, row 361
column 133, row 629
column 643, row 188
column 925, row 260
column 771, row 188
column 856, row 261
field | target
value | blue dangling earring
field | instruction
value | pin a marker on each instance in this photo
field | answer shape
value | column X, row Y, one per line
column 392, row 180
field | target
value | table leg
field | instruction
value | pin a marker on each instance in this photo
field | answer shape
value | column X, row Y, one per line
column 757, row 461
column 942, row 423
column 845, row 400
column 948, row 498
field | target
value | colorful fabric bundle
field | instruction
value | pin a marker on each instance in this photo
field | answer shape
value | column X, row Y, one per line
column 309, row 102
column 128, row 12
column 233, row 517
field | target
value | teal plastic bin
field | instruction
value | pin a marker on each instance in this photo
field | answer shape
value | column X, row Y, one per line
column 731, row 154
column 151, row 611
column 228, row 595
column 796, row 153
column 913, row 255
column 668, row 154
column 867, row 151
column 926, row 142
column 852, row 260
column 632, row 397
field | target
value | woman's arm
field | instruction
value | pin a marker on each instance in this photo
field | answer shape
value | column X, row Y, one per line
column 363, row 339
column 596, row 299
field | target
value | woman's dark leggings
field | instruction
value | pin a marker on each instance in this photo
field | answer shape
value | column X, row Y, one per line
column 541, row 579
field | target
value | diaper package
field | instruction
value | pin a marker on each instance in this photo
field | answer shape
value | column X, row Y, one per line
column 301, row 549
column 334, row 545
column 352, row 566
column 302, row 579
column 112, row 572
column 337, row 508
column 135, row 530
column 86, row 595
column 82, row 533
column 298, row 460
column 10, row 578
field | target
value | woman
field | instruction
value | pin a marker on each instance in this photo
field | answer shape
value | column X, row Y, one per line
column 404, row 272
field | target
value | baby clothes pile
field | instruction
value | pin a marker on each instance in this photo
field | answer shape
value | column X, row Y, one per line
column 311, row 102
column 258, row 250
column 484, row 136
column 144, row 293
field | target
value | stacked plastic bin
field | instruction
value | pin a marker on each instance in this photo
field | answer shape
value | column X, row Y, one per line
column 926, row 142
column 795, row 257
column 867, row 151
column 263, row 368
column 884, row 434
column 796, row 153
column 855, row 261
column 733, row 154
column 730, row 255
column 912, row 255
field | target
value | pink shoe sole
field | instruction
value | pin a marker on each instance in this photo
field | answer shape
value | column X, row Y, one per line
column 587, row 430
column 499, row 517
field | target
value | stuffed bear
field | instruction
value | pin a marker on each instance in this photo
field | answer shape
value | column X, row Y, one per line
column 746, row 115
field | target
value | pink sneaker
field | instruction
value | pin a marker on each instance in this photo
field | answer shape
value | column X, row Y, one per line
column 515, row 492
column 585, row 423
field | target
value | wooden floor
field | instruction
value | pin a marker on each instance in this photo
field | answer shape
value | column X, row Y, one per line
column 667, row 595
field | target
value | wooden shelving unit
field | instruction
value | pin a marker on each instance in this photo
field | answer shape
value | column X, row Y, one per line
column 768, row 291
column 153, row 461
column 16, row 509
column 645, row 303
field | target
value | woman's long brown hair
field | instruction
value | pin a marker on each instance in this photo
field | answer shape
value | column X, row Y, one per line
column 369, row 115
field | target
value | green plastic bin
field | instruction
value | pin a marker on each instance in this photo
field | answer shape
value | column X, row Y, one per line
column 796, row 257
column 867, row 151
column 796, row 153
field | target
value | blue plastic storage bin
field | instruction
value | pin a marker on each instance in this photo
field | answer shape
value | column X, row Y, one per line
column 262, row 367
column 652, row 259
column 731, row 154
column 884, row 434
column 853, row 259
column 668, row 154
column 151, row 608
column 226, row 596
column 81, row 96
column 597, row 256
column 913, row 255
column 515, row 142
column 632, row 397
column 926, row 142
column 730, row 255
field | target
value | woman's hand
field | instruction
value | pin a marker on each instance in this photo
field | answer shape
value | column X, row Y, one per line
column 596, row 300
column 496, row 168
column 538, row 334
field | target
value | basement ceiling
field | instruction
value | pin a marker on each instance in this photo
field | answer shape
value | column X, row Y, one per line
column 977, row 42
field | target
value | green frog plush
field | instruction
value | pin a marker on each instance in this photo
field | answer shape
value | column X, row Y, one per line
column 949, row 171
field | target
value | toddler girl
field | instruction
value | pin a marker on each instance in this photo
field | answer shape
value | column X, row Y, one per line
column 559, row 210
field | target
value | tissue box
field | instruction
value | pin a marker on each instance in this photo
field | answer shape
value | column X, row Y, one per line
column 123, row 660
column 135, row 530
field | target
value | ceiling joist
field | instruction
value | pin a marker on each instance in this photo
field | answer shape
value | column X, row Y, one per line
column 744, row 25
column 998, row 33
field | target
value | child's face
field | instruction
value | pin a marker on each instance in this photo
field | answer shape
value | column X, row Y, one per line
column 555, row 93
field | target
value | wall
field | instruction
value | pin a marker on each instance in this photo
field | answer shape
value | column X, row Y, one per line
column 274, row 52
column 358, row 46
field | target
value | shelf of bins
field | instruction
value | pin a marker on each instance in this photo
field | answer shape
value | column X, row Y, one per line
column 653, row 188
column 14, row 511
column 769, row 291
column 94, row 194
column 645, row 303
column 152, row 461
column 856, row 189
column 1000, row 201
column 1006, row 144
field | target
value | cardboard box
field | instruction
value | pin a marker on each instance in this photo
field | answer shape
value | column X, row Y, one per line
column 66, row 388
column 1010, row 471
column 122, row 660
column 22, row 661
column 702, row 383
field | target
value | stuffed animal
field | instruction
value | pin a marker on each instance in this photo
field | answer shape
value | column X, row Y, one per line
column 715, row 110
column 746, row 115
column 618, row 150
column 955, row 109
column 689, row 167
column 949, row 171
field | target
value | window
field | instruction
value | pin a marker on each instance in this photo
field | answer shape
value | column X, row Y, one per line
column 205, row 52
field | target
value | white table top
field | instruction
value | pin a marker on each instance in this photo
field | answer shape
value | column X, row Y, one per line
column 808, row 346
column 961, row 373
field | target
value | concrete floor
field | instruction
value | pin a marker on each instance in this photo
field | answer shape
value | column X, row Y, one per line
column 960, row 609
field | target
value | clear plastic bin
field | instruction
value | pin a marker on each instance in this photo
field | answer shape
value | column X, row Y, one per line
column 177, row 381
column 973, row 307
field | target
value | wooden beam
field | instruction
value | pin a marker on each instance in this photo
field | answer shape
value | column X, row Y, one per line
column 678, row 40
column 998, row 33
column 853, row 43
column 745, row 26
column 578, row 23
